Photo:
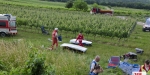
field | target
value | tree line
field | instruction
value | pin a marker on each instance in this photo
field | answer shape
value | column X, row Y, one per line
column 138, row 4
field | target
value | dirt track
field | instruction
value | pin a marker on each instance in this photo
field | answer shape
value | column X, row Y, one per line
column 124, row 17
column 138, row 23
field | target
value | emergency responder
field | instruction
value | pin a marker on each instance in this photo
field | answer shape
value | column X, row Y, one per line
column 80, row 38
column 54, row 38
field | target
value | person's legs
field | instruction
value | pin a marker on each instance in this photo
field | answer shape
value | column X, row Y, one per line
column 52, row 46
column 53, row 43
column 80, row 43
column 56, row 42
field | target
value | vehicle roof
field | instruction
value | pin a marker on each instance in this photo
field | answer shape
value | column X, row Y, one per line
column 7, row 18
column 5, row 14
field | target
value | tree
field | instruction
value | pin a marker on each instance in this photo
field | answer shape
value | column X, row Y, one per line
column 80, row 5
column 69, row 4
column 95, row 5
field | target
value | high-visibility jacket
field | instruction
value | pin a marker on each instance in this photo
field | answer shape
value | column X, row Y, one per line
column 143, row 69
column 80, row 37
column 54, row 34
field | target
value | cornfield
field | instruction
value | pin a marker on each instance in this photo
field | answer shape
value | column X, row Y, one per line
column 74, row 21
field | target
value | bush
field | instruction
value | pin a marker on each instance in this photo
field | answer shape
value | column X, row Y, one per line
column 3, row 73
column 3, row 70
column 69, row 4
column 2, row 67
column 34, row 66
column 80, row 5
column 95, row 5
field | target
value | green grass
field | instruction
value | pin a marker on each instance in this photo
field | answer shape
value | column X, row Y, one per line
column 38, row 3
column 101, row 46
column 70, row 21
column 61, row 5
column 14, row 54
column 35, row 3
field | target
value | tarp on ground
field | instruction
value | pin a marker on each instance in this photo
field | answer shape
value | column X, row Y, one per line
column 129, row 68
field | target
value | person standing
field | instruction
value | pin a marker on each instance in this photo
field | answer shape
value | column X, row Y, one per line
column 94, row 63
column 54, row 39
column 145, row 67
column 80, row 38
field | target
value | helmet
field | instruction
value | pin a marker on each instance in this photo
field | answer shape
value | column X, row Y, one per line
column 56, row 28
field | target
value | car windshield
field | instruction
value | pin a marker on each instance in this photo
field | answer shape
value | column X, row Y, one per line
column 12, row 23
column 148, row 21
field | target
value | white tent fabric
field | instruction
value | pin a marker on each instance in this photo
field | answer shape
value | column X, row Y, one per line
column 77, row 47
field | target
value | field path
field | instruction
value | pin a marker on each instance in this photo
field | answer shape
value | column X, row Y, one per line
column 138, row 23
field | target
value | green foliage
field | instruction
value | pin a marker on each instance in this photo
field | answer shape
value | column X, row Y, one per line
column 3, row 73
column 34, row 66
column 104, row 50
column 15, row 71
column 80, row 5
column 109, row 6
column 95, row 5
column 74, row 21
column 127, row 4
column 2, row 67
column 69, row 4
column 3, row 70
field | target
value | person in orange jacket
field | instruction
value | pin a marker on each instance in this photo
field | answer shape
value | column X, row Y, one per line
column 80, row 38
column 54, row 38
column 145, row 67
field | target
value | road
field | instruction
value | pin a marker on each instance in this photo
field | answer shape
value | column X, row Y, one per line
column 140, row 23
column 124, row 17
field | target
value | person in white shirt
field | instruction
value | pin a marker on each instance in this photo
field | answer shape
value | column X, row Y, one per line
column 94, row 63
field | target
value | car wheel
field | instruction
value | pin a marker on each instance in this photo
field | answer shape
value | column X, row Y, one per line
column 144, row 30
column 2, row 34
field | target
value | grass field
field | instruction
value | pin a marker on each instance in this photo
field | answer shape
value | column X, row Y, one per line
column 105, row 47
column 130, row 9
column 14, row 54
column 47, row 4
column 38, row 3
column 35, row 3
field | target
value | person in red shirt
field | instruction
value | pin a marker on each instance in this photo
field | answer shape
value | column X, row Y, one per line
column 54, row 38
column 80, row 38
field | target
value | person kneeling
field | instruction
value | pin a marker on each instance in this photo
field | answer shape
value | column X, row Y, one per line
column 97, row 70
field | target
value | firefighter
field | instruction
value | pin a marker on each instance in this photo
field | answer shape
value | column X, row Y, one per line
column 54, row 38
column 80, row 38
column 94, row 10
column 145, row 67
